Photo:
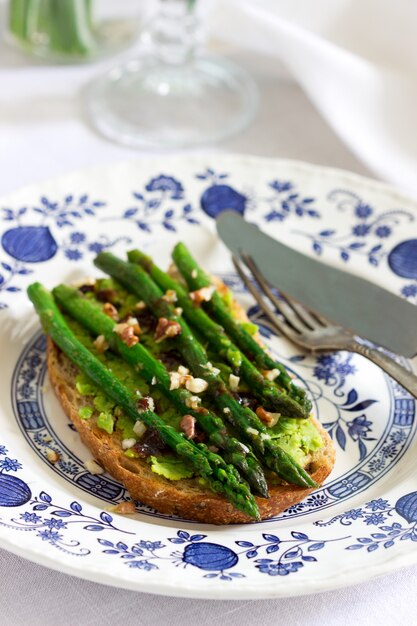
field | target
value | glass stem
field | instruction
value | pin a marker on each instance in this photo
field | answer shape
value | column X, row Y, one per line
column 174, row 31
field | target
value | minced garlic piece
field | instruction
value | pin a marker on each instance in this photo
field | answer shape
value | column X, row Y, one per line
column 234, row 382
column 93, row 467
column 128, row 443
column 196, row 385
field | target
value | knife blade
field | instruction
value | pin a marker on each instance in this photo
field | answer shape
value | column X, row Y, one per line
column 368, row 310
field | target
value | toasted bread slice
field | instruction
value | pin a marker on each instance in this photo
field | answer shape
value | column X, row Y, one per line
column 184, row 498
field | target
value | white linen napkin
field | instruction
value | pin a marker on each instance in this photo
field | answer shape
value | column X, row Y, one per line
column 356, row 60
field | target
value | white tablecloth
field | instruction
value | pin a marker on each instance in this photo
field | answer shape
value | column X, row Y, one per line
column 43, row 134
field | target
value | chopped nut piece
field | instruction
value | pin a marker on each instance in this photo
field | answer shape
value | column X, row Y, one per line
column 192, row 402
column 139, row 306
column 187, row 425
column 118, row 328
column 106, row 295
column 194, row 273
column 170, row 296
column 139, row 428
column 210, row 367
column 196, row 385
column 110, row 310
column 93, row 467
column 252, row 431
column 52, row 456
column 153, row 381
column 174, row 272
column 265, row 436
column 166, row 329
column 128, row 337
column 226, row 410
column 175, row 379
column 101, row 344
column 180, row 378
column 268, row 418
column 270, row 374
column 126, row 334
column 201, row 410
column 128, row 443
column 123, row 508
column 178, row 310
column 87, row 281
column 234, row 382
column 145, row 404
column 202, row 295
column 133, row 322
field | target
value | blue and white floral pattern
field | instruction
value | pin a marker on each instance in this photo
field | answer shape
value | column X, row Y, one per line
column 368, row 235
column 283, row 199
column 377, row 513
column 220, row 196
column 286, row 201
column 273, row 555
column 9, row 277
column 45, row 517
column 13, row 490
column 59, row 509
column 32, row 243
column 291, row 552
column 160, row 204
column 51, row 525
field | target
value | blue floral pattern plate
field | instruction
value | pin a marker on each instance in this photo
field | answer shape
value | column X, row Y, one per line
column 360, row 524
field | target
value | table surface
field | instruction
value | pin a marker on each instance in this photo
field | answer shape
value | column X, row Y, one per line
column 43, row 133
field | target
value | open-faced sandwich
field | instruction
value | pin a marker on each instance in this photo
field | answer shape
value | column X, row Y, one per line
column 168, row 385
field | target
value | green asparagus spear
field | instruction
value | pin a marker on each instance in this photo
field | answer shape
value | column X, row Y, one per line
column 250, row 426
column 222, row 478
column 155, row 373
column 196, row 278
column 264, row 390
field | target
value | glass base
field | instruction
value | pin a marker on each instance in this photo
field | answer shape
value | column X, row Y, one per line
column 148, row 104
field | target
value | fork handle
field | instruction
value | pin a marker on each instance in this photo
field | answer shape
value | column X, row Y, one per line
column 405, row 378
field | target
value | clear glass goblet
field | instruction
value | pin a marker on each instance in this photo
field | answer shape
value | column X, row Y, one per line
column 174, row 96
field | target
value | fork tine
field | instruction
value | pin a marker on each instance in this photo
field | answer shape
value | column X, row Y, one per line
column 283, row 306
column 280, row 326
column 315, row 320
column 308, row 319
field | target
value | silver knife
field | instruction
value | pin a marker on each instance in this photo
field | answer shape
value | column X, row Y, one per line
column 357, row 304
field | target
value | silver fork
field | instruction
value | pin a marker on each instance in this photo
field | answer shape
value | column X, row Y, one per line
column 311, row 331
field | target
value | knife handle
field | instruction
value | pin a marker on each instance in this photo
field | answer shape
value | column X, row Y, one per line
column 404, row 377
